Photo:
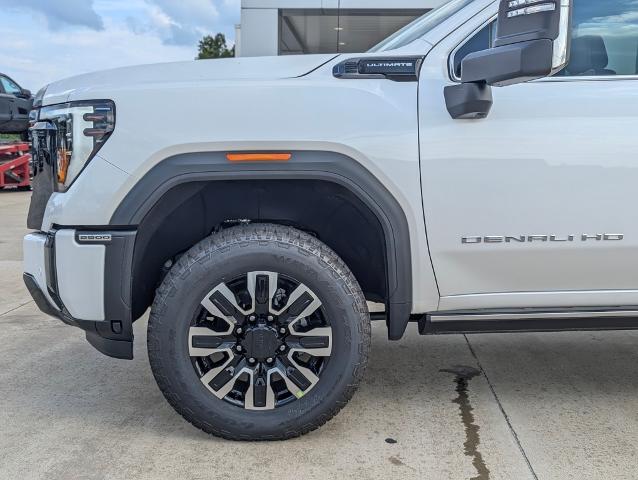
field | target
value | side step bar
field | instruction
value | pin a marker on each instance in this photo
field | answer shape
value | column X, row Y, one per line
column 528, row 320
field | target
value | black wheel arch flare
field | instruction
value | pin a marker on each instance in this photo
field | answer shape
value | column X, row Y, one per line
column 303, row 165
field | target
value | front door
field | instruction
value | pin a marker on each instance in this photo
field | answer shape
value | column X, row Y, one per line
column 6, row 106
column 541, row 197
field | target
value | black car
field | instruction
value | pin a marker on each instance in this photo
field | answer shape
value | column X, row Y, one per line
column 15, row 104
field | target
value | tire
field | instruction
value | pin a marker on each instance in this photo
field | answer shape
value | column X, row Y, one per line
column 320, row 334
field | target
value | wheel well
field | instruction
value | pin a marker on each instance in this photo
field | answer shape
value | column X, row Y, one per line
column 190, row 212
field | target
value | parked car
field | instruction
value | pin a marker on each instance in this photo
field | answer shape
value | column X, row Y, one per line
column 15, row 104
column 257, row 205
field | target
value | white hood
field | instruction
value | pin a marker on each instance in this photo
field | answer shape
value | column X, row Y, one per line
column 255, row 68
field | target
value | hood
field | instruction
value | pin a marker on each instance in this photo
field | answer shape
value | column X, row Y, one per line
column 254, row 68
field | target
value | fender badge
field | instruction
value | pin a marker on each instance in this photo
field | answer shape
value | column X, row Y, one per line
column 95, row 237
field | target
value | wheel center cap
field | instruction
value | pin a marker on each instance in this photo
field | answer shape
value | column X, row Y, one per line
column 261, row 343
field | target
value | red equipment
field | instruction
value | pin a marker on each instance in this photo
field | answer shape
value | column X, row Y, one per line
column 14, row 166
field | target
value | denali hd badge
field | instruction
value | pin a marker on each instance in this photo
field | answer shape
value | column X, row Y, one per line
column 599, row 237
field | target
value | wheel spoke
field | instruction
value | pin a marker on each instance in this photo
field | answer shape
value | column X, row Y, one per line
column 262, row 287
column 221, row 380
column 302, row 302
column 316, row 342
column 203, row 342
column 221, row 303
column 260, row 395
column 299, row 380
column 292, row 387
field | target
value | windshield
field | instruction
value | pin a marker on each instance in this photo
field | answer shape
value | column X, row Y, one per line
column 420, row 26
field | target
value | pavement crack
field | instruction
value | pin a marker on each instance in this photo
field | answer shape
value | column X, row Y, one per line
column 502, row 409
column 463, row 376
column 15, row 308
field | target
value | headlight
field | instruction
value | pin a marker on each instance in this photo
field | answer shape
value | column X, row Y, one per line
column 81, row 130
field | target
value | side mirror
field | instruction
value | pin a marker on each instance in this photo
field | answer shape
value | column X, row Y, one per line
column 24, row 93
column 533, row 41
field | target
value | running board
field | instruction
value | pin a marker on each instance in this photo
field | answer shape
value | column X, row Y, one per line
column 528, row 320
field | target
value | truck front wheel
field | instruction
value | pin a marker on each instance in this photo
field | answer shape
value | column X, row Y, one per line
column 260, row 332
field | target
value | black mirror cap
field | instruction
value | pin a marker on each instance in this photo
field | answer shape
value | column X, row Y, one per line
column 527, row 26
column 509, row 64
column 533, row 41
column 468, row 101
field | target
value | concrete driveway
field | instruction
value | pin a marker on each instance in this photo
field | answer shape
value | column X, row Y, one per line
column 515, row 406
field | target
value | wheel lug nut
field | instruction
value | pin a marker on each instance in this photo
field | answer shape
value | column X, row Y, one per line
column 282, row 330
column 270, row 318
column 239, row 331
column 282, row 348
column 251, row 360
column 252, row 318
column 239, row 348
column 269, row 360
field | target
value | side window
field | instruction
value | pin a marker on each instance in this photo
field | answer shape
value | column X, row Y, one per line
column 482, row 40
column 605, row 38
column 9, row 86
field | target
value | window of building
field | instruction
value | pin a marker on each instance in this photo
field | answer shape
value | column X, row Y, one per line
column 338, row 31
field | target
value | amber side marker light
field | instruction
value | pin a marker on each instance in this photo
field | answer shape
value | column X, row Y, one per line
column 258, row 157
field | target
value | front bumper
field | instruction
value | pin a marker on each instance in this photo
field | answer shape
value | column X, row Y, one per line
column 81, row 278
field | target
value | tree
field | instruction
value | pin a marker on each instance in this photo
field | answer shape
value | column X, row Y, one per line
column 214, row 47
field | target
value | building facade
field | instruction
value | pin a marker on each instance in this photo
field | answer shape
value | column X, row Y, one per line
column 289, row 27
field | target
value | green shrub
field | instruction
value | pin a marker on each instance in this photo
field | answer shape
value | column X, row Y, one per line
column 9, row 137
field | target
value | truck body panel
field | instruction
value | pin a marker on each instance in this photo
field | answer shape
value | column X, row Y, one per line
column 523, row 210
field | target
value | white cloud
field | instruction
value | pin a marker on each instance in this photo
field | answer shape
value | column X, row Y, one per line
column 189, row 11
column 43, row 42
column 186, row 21
column 57, row 14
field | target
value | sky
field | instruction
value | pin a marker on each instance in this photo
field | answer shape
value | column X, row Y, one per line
column 46, row 40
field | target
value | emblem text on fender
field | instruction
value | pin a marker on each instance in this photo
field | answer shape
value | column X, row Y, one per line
column 95, row 237
column 390, row 64
column 599, row 237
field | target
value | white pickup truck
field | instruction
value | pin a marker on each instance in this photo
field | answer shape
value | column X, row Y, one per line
column 474, row 172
